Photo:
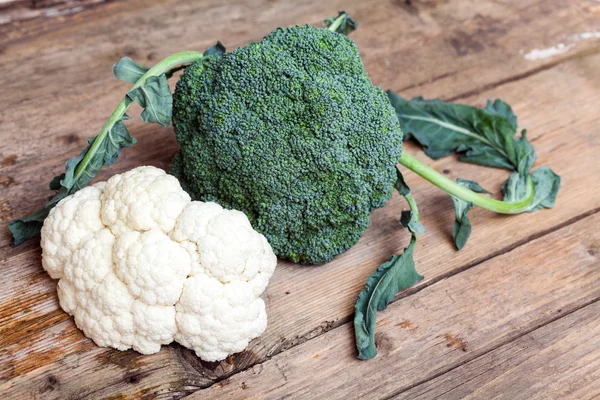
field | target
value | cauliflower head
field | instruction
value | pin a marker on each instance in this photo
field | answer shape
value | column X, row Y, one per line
column 141, row 265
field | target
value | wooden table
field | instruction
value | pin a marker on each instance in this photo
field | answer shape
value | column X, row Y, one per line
column 515, row 314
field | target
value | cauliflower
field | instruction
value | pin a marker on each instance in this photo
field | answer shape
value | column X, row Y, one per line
column 141, row 265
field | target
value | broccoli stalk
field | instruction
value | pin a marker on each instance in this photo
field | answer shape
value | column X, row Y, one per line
column 461, row 192
column 167, row 65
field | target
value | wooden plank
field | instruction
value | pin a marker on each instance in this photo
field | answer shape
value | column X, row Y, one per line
column 560, row 360
column 441, row 327
column 15, row 12
column 23, row 19
column 327, row 294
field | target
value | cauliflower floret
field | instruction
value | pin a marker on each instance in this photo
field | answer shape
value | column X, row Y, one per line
column 67, row 296
column 141, row 265
column 91, row 262
column 192, row 249
column 73, row 219
column 153, row 266
column 104, row 314
column 217, row 319
column 142, row 199
column 154, row 325
column 228, row 247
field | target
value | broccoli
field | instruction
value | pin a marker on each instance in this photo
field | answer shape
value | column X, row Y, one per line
column 291, row 131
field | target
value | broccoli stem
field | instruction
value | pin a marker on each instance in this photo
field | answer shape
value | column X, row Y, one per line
column 163, row 66
column 412, row 204
column 461, row 192
column 338, row 21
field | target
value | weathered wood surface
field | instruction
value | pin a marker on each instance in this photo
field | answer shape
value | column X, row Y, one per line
column 558, row 360
column 469, row 50
column 449, row 324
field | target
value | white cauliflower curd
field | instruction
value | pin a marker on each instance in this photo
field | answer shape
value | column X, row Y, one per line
column 140, row 265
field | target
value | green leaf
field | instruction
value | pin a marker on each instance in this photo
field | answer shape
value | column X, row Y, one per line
column 347, row 26
column 155, row 97
column 502, row 109
column 28, row 227
column 474, row 186
column 217, row 49
column 391, row 277
column 484, row 136
column 481, row 136
column 106, row 153
column 55, row 182
column 117, row 139
column 409, row 219
column 69, row 180
column 461, row 228
column 401, row 185
column 128, row 70
column 546, row 185
column 513, row 187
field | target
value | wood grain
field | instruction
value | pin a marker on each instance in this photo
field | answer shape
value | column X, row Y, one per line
column 452, row 322
column 24, row 19
column 560, row 360
column 448, row 48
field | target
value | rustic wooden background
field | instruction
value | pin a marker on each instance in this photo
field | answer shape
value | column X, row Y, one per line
column 515, row 314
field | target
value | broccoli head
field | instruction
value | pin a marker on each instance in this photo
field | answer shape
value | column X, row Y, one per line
column 291, row 131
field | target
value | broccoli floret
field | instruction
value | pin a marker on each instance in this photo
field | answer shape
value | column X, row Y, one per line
column 291, row 131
